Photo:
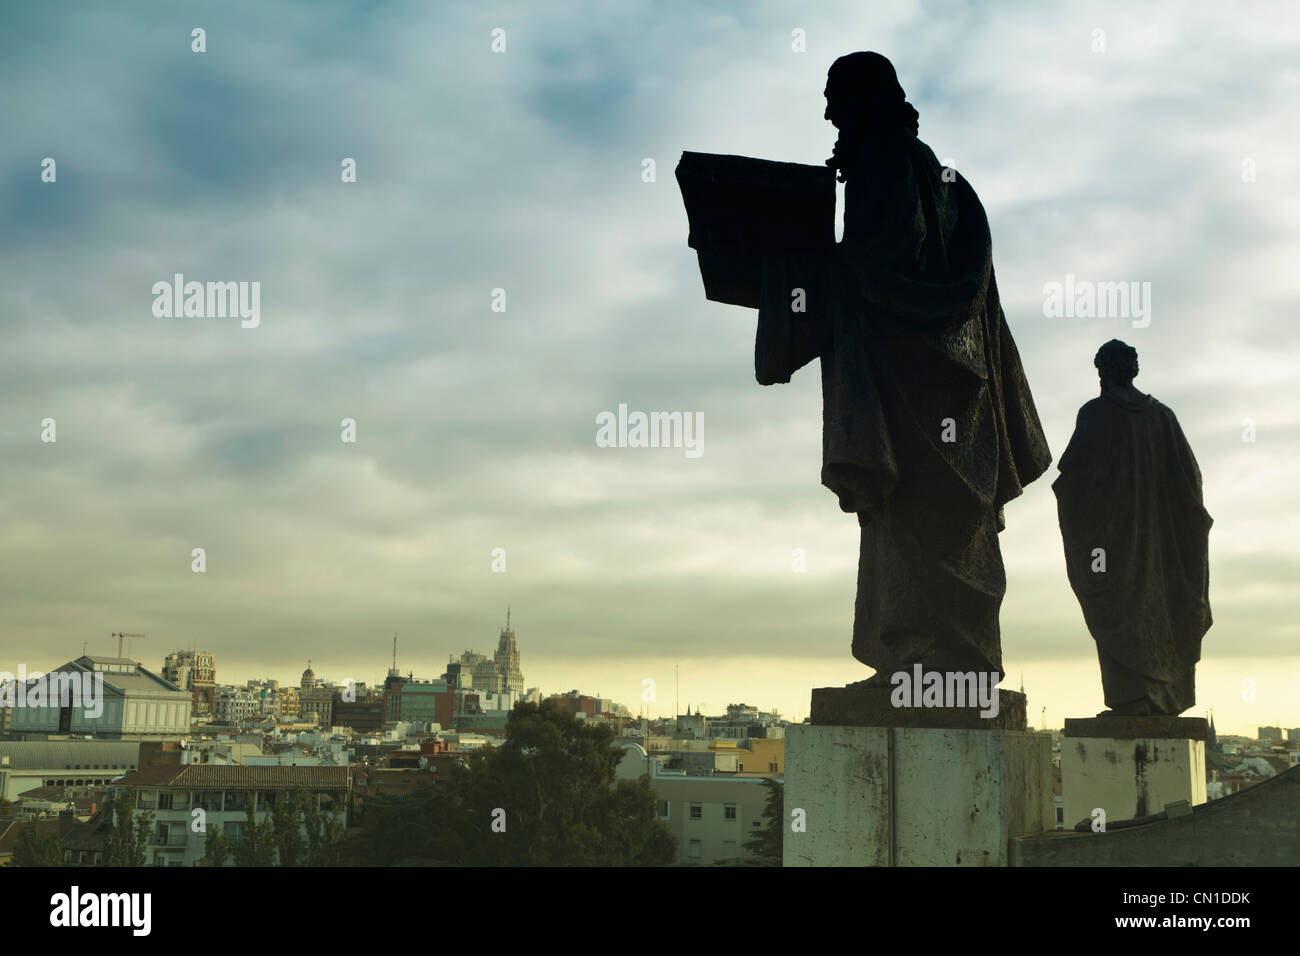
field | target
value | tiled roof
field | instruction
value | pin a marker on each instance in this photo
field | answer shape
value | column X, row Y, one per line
column 44, row 793
column 238, row 777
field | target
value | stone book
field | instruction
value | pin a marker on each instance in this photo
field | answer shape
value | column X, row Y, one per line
column 740, row 208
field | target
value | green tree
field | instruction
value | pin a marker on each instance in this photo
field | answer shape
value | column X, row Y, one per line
column 547, row 796
column 766, row 842
column 128, row 837
column 285, row 813
column 37, row 847
column 256, row 845
column 278, row 839
column 216, row 848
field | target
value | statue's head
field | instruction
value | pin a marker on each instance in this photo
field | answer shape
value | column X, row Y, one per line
column 1117, row 363
column 863, row 93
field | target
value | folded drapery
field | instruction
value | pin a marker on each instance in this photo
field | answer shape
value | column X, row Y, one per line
column 929, row 427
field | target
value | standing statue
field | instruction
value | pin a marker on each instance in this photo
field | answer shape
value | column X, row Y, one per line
column 929, row 427
column 1136, row 541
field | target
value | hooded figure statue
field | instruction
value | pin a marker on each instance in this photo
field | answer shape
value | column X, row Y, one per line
column 929, row 427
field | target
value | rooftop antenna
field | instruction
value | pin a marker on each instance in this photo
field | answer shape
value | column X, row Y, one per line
column 394, row 650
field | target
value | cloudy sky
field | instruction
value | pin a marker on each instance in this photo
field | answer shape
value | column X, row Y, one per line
column 522, row 170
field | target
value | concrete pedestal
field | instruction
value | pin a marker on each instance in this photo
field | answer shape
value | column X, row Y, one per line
column 912, row 796
column 1131, row 767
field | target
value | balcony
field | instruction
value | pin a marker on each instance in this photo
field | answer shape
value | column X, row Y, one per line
column 173, row 839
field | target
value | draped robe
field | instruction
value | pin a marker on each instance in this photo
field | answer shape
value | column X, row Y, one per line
column 905, row 317
column 1130, row 488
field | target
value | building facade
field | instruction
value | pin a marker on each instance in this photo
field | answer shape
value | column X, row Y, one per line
column 195, row 671
column 104, row 697
column 224, row 794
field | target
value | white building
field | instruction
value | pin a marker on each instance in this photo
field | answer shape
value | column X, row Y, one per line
column 236, row 705
column 104, row 697
column 224, row 794
column 28, row 764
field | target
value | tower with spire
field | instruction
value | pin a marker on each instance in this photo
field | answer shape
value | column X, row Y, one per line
column 509, row 675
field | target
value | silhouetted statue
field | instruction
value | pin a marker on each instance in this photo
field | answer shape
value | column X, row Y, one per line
column 1136, row 541
column 929, row 427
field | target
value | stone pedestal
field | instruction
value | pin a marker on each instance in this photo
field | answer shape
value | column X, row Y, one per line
column 913, row 796
column 1131, row 767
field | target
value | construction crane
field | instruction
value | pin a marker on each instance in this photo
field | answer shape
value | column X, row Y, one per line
column 120, row 635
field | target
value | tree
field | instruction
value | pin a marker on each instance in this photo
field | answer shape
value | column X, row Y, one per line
column 278, row 839
column 256, row 846
column 37, row 846
column 548, row 796
column 128, row 837
column 217, row 848
column 285, row 811
column 766, row 842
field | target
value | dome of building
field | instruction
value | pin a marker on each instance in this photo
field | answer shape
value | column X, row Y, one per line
column 308, row 677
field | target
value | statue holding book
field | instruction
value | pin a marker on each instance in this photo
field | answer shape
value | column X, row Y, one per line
column 929, row 428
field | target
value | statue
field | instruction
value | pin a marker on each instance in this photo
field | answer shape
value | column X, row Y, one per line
column 929, row 427
column 1136, row 539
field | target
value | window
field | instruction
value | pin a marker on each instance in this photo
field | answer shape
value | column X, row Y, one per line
column 236, row 800
column 1060, row 814
column 772, row 767
column 697, row 811
column 233, row 829
column 729, row 811
column 696, row 851
column 663, row 809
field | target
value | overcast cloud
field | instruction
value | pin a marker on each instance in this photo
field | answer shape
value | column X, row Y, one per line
column 476, row 429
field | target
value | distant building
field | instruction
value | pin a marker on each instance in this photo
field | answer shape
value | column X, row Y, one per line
column 195, row 671
column 364, row 715
column 711, row 817
column 1270, row 735
column 235, row 705
column 500, row 674
column 576, row 703
column 288, row 703
column 315, row 700
column 136, row 702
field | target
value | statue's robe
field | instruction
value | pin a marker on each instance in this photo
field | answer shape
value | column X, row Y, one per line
column 1130, row 486
column 914, row 349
